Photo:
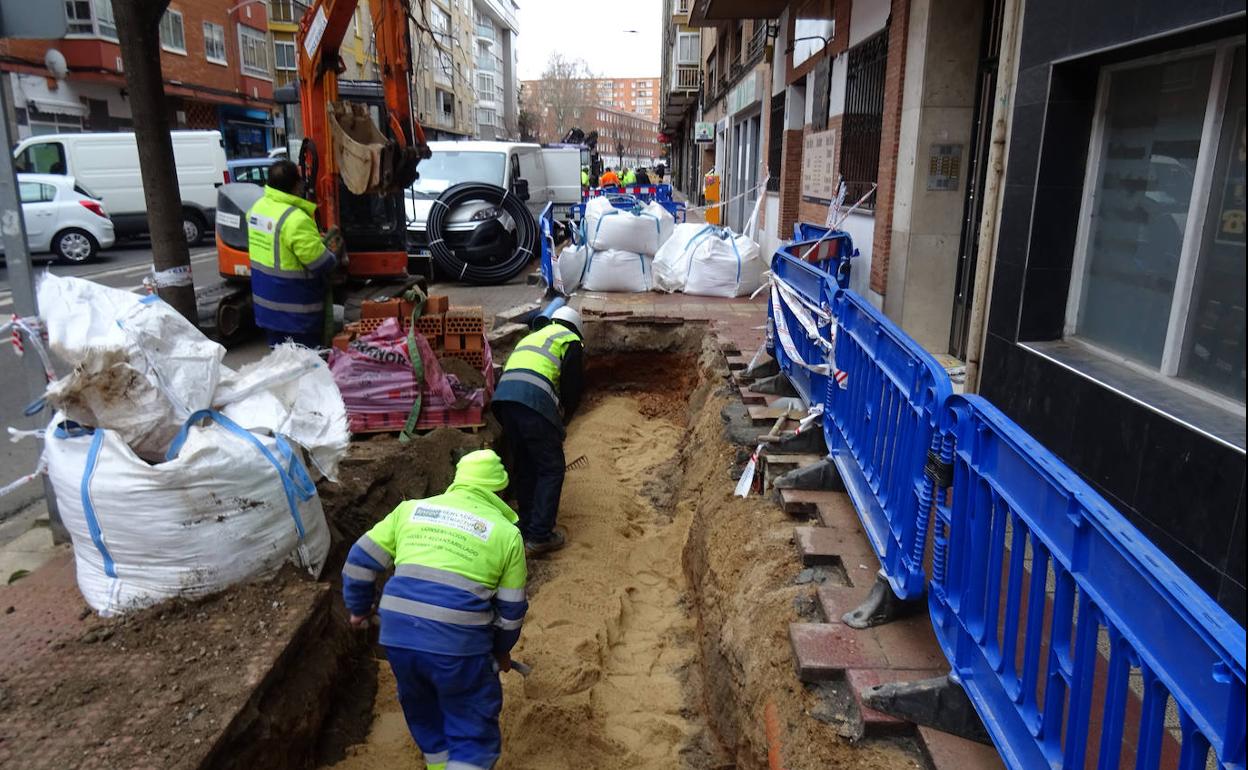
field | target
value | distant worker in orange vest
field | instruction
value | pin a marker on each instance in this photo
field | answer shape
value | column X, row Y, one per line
column 609, row 178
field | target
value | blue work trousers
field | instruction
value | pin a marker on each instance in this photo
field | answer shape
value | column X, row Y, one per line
column 535, row 447
column 451, row 704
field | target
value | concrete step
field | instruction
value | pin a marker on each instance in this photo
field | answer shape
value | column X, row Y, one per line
column 830, row 545
column 949, row 752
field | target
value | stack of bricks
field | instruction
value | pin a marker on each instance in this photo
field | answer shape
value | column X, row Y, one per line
column 464, row 335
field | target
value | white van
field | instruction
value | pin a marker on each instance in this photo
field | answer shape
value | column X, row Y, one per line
column 108, row 165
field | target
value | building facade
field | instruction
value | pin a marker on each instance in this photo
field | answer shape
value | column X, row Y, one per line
column 494, row 60
column 217, row 62
column 1051, row 194
column 443, row 48
column 624, row 138
column 639, row 96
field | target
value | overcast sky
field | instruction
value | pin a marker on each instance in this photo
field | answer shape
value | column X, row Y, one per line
column 592, row 30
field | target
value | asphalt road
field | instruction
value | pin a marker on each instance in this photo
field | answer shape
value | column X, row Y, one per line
column 122, row 267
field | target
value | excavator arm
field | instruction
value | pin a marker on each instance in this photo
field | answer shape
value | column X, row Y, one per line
column 321, row 33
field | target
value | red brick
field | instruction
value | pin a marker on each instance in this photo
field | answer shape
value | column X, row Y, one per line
column 822, row 651
column 949, row 752
column 875, row 723
column 750, row 397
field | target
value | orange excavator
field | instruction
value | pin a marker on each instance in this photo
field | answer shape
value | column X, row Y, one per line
column 357, row 145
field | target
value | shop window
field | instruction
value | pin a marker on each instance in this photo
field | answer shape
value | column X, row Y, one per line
column 253, row 49
column 1159, row 274
column 214, row 43
column 172, row 33
column 863, row 120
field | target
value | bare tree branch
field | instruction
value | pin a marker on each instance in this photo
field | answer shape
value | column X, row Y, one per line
column 560, row 100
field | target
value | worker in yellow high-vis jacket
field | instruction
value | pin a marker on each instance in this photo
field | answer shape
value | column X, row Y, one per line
column 452, row 611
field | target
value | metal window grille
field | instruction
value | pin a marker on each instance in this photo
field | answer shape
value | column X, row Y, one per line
column 775, row 142
column 864, row 115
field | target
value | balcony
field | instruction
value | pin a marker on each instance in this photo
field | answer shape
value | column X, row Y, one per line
column 486, row 32
column 709, row 13
column 680, row 8
column 487, row 64
column 685, row 77
column 286, row 11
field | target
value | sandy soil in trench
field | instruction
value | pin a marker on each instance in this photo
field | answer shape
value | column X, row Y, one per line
column 610, row 639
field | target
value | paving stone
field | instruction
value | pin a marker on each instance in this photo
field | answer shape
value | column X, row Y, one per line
column 751, row 398
column 908, row 643
column 835, row 601
column 949, row 752
column 839, row 512
column 822, row 651
column 805, row 501
column 831, row 545
column 876, row 723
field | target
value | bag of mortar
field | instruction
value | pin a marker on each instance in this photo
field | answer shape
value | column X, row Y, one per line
column 617, row 270
column 227, row 505
column 722, row 264
column 671, row 263
column 637, row 230
column 570, row 268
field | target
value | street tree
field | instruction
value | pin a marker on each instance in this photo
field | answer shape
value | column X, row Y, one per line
column 564, row 94
column 138, row 31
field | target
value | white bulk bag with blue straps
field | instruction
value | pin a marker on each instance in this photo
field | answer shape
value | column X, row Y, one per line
column 618, row 270
column 227, row 505
column 723, row 264
column 671, row 263
column 639, row 230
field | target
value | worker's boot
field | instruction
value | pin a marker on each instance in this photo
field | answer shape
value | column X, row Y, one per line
column 558, row 539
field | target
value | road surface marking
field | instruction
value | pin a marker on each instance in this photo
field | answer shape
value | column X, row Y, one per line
column 198, row 257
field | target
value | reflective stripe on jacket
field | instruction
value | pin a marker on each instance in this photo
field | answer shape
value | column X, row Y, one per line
column 459, row 574
column 531, row 376
column 287, row 262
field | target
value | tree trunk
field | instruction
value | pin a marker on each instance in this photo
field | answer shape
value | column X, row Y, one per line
column 138, row 29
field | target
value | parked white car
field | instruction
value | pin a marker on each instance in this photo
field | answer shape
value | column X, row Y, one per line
column 62, row 217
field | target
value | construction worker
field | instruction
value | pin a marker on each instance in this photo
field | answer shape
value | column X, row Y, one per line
column 609, row 178
column 630, row 176
column 584, row 176
column 642, row 176
column 539, row 390
column 452, row 611
column 289, row 260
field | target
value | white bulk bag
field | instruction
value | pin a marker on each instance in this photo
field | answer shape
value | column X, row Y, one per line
column 227, row 507
column 671, row 263
column 667, row 223
column 722, row 264
column 570, row 268
column 607, row 227
column 617, row 270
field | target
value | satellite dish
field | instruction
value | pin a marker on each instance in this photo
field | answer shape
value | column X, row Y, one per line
column 54, row 60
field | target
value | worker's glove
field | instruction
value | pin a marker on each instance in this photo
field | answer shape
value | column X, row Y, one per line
column 503, row 659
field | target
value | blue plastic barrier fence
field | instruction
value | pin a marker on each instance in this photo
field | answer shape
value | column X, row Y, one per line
column 643, row 194
column 831, row 249
column 1077, row 640
column 882, row 427
column 802, row 325
column 548, row 244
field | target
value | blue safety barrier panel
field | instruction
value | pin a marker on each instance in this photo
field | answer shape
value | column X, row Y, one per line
column 547, row 223
column 881, row 428
column 641, row 194
column 832, row 250
column 1077, row 640
column 808, row 282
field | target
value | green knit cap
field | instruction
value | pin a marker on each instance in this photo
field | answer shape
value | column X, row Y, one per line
column 482, row 468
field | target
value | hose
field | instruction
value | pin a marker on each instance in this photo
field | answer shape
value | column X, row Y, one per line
column 485, row 272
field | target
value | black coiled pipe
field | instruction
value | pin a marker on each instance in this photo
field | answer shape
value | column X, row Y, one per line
column 480, row 272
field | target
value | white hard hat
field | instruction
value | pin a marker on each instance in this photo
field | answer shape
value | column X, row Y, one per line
column 566, row 313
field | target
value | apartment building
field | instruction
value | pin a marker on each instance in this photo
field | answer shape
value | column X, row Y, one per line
column 639, row 96
column 1054, row 198
column 216, row 58
column 443, row 92
column 497, row 90
column 624, row 137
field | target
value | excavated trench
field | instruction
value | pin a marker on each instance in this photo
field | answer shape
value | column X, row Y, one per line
column 657, row 637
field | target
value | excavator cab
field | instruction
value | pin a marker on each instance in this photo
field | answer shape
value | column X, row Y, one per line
column 370, row 223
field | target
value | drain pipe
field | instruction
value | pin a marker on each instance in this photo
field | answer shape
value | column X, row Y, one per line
column 986, row 247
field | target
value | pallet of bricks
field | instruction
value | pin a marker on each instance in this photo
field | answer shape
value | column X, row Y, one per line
column 451, row 333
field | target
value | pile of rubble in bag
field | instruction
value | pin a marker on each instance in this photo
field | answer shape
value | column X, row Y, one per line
column 176, row 475
column 642, row 249
column 405, row 367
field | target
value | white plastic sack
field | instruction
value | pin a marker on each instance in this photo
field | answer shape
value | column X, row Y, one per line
column 722, row 264
column 671, row 263
column 607, row 227
column 570, row 268
column 667, row 223
column 616, row 270
column 227, row 508
column 140, row 368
